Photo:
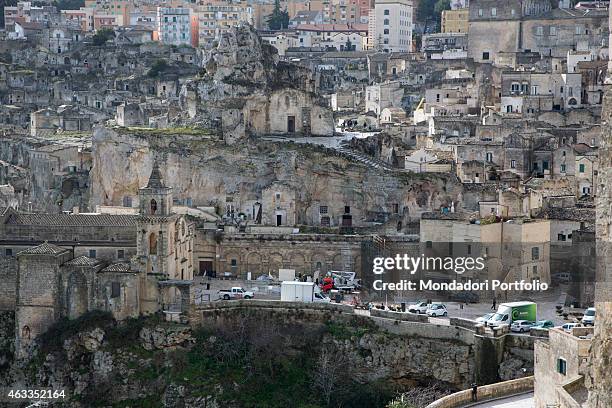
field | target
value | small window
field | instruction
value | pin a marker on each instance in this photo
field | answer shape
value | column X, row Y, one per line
column 428, row 244
column 115, row 289
column 494, row 12
column 153, row 207
column 480, row 12
column 485, row 56
column 325, row 221
column 535, row 253
column 347, row 209
column 513, row 164
column 92, row 253
column 562, row 366
column 8, row 252
column 386, row 12
column 563, row 167
column 323, row 209
column 386, row 21
column 561, row 237
column 539, row 30
column 120, row 254
column 581, row 168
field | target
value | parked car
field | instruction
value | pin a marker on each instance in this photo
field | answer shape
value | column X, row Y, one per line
column 563, row 277
column 588, row 319
column 436, row 309
column 484, row 318
column 569, row 326
column 543, row 324
column 235, row 293
column 418, row 307
column 521, row 326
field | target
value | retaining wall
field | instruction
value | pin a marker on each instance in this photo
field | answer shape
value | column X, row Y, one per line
column 485, row 392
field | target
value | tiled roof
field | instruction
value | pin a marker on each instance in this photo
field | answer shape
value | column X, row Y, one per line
column 73, row 220
column 44, row 249
column 118, row 267
column 83, row 261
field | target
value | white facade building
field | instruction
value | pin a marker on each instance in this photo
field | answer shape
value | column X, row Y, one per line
column 174, row 25
column 392, row 25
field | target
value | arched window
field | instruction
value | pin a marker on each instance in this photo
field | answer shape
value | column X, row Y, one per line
column 153, row 244
column 153, row 206
column 25, row 333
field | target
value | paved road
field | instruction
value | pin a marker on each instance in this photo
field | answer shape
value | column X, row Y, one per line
column 519, row 401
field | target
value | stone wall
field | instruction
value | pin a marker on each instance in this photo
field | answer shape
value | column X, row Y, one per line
column 459, row 355
column 486, row 392
column 8, row 283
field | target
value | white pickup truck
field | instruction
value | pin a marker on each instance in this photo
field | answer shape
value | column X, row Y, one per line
column 235, row 293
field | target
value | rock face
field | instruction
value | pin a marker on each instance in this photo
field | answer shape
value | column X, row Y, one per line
column 377, row 356
column 159, row 338
column 245, row 90
column 7, row 339
column 208, row 173
column 599, row 380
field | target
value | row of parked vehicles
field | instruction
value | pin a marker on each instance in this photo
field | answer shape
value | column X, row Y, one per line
column 430, row 309
column 521, row 317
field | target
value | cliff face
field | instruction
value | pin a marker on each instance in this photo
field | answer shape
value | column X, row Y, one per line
column 206, row 172
column 245, row 90
column 248, row 359
column 599, row 380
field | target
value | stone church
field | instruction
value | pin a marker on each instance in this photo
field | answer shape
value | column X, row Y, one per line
column 53, row 281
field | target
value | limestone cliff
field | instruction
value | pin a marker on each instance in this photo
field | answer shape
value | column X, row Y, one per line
column 245, row 90
column 207, row 173
column 599, row 380
column 250, row 359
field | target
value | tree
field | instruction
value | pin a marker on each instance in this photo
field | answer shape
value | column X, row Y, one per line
column 440, row 6
column 349, row 45
column 102, row 36
column 279, row 19
column 431, row 10
column 69, row 4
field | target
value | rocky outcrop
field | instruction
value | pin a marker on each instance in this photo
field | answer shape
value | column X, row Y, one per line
column 245, row 90
column 160, row 338
column 599, row 380
column 376, row 356
column 7, row 339
column 207, row 173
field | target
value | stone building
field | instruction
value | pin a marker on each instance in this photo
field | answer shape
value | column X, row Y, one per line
column 534, row 26
column 148, row 264
column 560, row 366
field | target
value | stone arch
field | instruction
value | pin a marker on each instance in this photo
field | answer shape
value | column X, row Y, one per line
column 319, row 263
column 254, row 264
column 232, row 266
column 299, row 264
column 338, row 263
column 275, row 263
column 77, row 295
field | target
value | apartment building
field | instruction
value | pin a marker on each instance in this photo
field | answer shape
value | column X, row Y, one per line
column 390, row 26
column 215, row 18
column 174, row 25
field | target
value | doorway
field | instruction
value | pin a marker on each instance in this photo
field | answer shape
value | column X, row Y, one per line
column 290, row 124
column 279, row 220
column 207, row 269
